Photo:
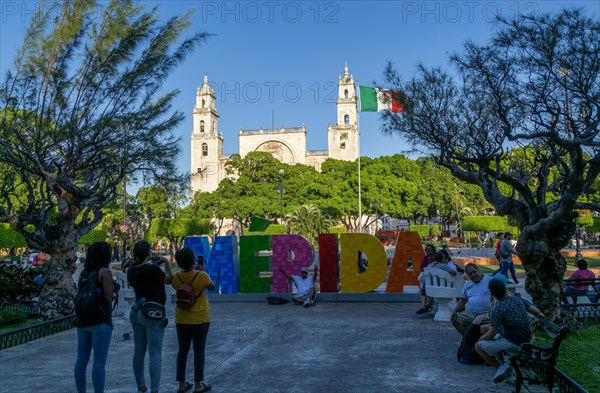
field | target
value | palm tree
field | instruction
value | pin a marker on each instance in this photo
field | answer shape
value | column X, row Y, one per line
column 308, row 221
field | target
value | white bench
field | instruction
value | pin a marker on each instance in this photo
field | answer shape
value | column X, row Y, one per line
column 443, row 288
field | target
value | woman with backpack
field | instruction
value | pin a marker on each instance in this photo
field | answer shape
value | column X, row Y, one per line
column 95, row 293
column 192, row 317
column 148, row 282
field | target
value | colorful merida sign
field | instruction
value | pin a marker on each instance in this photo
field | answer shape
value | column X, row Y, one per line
column 241, row 273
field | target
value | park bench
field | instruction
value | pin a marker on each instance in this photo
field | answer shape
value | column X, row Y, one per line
column 536, row 365
column 591, row 292
column 443, row 288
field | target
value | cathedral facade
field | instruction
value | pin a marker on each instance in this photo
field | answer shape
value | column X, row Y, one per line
column 288, row 145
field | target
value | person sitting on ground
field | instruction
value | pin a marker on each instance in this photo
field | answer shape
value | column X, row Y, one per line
column 509, row 328
column 305, row 286
column 439, row 262
column 580, row 288
column 474, row 302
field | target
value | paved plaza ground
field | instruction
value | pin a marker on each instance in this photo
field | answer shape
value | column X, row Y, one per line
column 333, row 347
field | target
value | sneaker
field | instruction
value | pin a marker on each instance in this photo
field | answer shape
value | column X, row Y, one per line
column 306, row 303
column 422, row 310
column 504, row 371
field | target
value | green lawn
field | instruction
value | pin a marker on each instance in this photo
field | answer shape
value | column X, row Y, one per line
column 579, row 357
column 592, row 262
column 28, row 322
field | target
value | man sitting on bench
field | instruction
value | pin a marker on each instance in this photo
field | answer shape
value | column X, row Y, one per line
column 509, row 328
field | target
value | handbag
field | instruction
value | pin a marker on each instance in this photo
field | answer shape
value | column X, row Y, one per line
column 153, row 310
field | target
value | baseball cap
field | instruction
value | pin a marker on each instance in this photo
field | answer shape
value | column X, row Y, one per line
column 507, row 234
column 500, row 277
column 304, row 270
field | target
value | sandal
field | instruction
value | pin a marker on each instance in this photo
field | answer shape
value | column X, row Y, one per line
column 187, row 387
column 206, row 388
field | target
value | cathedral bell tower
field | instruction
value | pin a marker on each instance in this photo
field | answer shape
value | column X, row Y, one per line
column 207, row 142
column 343, row 136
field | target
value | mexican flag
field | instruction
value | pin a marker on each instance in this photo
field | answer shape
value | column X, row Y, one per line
column 377, row 100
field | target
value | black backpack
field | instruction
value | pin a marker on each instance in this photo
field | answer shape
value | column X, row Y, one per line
column 276, row 300
column 88, row 306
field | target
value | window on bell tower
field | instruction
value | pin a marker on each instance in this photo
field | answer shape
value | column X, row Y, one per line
column 201, row 125
column 346, row 119
column 204, row 149
column 203, row 103
column 346, row 93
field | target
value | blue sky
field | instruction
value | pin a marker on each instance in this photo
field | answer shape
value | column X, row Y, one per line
column 284, row 57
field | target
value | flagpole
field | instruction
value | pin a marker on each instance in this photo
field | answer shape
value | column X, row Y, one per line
column 360, row 227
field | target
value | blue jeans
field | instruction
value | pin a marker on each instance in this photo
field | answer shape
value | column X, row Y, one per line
column 96, row 338
column 148, row 335
column 509, row 265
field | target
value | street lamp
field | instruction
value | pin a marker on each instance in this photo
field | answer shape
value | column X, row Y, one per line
column 281, row 172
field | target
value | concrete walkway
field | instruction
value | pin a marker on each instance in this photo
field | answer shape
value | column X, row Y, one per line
column 256, row 347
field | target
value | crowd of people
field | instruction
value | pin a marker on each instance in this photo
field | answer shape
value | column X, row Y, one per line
column 491, row 320
column 147, row 317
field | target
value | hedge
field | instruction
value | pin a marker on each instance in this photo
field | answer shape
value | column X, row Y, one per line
column 485, row 223
column 423, row 230
column 93, row 236
column 10, row 238
column 336, row 230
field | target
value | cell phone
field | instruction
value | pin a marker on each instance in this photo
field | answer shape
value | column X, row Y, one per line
column 200, row 260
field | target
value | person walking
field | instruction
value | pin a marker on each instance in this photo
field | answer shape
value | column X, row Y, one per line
column 192, row 321
column 94, row 321
column 148, row 282
column 506, row 253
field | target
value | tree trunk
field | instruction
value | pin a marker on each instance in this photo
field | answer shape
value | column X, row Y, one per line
column 57, row 298
column 545, row 267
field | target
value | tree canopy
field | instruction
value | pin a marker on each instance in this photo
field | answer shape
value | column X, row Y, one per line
column 519, row 118
column 81, row 110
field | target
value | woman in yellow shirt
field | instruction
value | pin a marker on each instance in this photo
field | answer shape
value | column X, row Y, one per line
column 192, row 324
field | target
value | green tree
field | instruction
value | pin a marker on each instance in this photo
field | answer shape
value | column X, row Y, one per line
column 308, row 221
column 175, row 229
column 534, row 85
column 82, row 109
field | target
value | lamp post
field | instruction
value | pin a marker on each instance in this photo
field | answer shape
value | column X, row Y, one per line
column 281, row 172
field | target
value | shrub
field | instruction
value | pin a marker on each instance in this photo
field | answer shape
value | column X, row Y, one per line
column 9, row 316
column 18, row 283
column 423, row 230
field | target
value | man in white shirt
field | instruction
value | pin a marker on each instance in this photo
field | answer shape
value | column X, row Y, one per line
column 305, row 286
column 474, row 301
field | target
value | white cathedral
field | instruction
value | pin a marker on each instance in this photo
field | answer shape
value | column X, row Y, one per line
column 288, row 145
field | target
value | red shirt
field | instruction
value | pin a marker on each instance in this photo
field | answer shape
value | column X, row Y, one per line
column 426, row 261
